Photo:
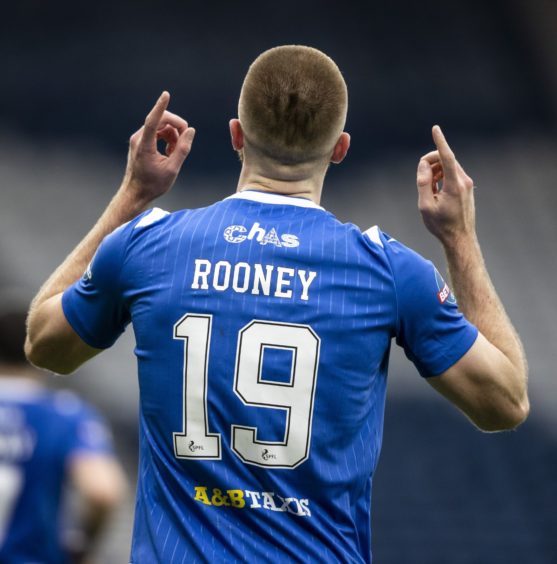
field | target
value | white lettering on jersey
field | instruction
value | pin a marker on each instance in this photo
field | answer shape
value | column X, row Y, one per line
column 202, row 269
column 257, row 232
column 260, row 279
column 233, row 233
column 221, row 266
column 254, row 497
column 237, row 234
column 282, row 282
column 240, row 281
column 306, row 282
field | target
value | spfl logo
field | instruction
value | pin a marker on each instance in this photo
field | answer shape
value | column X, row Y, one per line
column 239, row 234
column 266, row 455
column 193, row 447
column 444, row 294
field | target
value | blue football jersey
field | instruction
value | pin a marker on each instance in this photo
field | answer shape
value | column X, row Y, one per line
column 263, row 328
column 40, row 431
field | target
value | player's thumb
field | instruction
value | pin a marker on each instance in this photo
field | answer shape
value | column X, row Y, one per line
column 424, row 175
column 424, row 182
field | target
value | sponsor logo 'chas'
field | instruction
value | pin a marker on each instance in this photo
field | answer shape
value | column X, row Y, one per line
column 240, row 233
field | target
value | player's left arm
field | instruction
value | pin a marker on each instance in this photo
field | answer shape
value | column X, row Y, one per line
column 486, row 386
column 489, row 383
column 51, row 341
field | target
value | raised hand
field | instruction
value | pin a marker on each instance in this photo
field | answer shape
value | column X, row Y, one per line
column 149, row 173
column 445, row 193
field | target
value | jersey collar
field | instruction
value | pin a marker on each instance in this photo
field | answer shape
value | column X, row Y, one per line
column 273, row 198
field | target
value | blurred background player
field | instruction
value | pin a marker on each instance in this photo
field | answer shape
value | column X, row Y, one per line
column 49, row 440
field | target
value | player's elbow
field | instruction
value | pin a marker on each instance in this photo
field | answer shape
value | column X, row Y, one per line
column 51, row 342
column 35, row 353
column 502, row 399
column 504, row 417
column 518, row 413
column 41, row 355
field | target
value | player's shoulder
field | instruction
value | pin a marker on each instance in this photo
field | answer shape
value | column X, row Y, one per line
column 376, row 241
column 157, row 220
column 145, row 221
column 68, row 405
column 143, row 227
column 55, row 405
column 150, row 217
column 406, row 266
column 149, row 220
column 394, row 250
column 376, row 237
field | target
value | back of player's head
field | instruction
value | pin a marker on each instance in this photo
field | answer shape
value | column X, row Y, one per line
column 293, row 104
column 12, row 332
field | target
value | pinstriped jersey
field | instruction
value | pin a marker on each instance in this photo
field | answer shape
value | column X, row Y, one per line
column 263, row 329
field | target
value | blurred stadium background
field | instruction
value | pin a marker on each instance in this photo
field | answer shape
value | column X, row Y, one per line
column 76, row 80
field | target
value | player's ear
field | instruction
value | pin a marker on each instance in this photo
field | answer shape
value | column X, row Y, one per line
column 236, row 134
column 341, row 148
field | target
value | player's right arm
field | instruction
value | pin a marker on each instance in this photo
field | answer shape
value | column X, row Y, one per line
column 96, row 477
column 489, row 383
column 52, row 343
column 99, row 481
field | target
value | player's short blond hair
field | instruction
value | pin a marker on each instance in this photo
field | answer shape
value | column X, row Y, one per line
column 293, row 104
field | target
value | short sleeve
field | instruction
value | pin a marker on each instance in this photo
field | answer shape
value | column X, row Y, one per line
column 94, row 306
column 430, row 327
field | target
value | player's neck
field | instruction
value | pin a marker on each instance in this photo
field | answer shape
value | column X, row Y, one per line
column 301, row 186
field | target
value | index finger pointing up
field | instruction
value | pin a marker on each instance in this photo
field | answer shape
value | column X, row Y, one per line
column 445, row 153
column 153, row 119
